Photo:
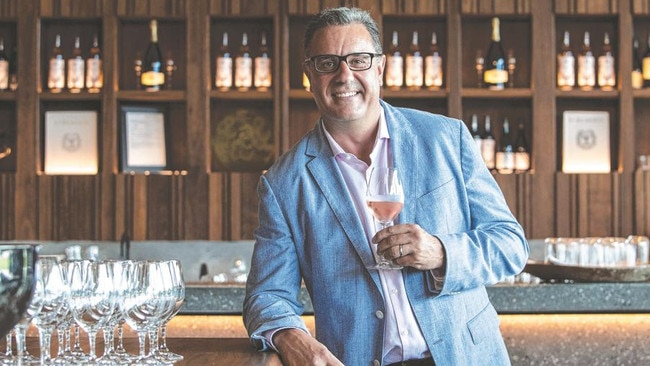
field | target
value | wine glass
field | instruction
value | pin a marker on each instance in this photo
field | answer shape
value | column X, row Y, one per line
column 177, row 297
column 55, row 296
column 92, row 298
column 144, row 303
column 385, row 198
column 112, row 354
column 23, row 357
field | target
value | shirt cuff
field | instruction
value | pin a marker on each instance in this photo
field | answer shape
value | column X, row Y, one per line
column 268, row 336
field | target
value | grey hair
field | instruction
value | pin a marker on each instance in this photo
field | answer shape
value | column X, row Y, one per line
column 343, row 16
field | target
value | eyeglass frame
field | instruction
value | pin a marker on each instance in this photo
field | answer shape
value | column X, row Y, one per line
column 341, row 59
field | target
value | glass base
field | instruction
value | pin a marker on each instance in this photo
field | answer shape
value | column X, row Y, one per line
column 385, row 266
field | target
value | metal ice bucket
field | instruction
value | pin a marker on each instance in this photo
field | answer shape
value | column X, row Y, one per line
column 17, row 264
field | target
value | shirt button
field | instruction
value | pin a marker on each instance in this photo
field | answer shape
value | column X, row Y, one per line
column 379, row 314
column 394, row 291
column 405, row 332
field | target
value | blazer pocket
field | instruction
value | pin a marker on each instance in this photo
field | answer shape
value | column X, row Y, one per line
column 484, row 325
column 434, row 207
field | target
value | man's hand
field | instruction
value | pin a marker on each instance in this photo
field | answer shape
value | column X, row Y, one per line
column 298, row 348
column 409, row 245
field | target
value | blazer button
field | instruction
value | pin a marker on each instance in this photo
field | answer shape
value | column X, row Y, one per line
column 379, row 314
column 375, row 363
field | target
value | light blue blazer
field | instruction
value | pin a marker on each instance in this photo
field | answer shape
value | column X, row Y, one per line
column 309, row 231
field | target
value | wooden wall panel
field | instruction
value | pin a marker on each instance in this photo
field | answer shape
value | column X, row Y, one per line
column 151, row 8
column 516, row 189
column 640, row 7
column 414, row 7
column 216, row 208
column 497, row 7
column 642, row 202
column 8, row 8
column 7, row 206
column 67, row 207
column 72, row 8
column 586, row 7
column 244, row 7
column 588, row 205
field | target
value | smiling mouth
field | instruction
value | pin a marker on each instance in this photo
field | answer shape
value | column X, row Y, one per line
column 346, row 95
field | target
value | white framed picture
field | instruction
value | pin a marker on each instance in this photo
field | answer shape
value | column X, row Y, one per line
column 586, row 142
column 143, row 131
column 71, row 143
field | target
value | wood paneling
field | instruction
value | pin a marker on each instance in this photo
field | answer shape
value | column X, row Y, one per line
column 587, row 7
column 71, row 8
column 495, row 7
column 7, row 206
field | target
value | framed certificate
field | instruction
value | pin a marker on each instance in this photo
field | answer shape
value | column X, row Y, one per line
column 585, row 142
column 70, row 142
column 143, row 139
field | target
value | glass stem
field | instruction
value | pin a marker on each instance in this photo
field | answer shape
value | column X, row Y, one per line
column 163, row 339
column 45, row 339
column 120, row 338
column 8, row 352
column 21, row 350
column 92, row 341
column 141, row 339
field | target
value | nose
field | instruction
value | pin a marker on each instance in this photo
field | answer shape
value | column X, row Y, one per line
column 344, row 72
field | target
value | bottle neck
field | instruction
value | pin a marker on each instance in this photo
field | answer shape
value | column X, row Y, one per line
column 496, row 33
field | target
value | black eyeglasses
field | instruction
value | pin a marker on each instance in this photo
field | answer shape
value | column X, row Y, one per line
column 358, row 61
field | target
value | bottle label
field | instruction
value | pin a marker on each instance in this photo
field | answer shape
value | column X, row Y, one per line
column 243, row 72
column 606, row 74
column 586, row 71
column 262, row 72
column 305, row 82
column 414, row 70
column 4, row 74
column 495, row 76
column 94, row 76
column 394, row 71
column 433, row 71
column 223, row 78
column 488, row 147
column 637, row 79
column 56, row 75
column 522, row 161
column 505, row 162
column 152, row 79
column 75, row 73
column 566, row 76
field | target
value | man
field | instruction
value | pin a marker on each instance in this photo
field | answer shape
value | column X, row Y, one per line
column 454, row 235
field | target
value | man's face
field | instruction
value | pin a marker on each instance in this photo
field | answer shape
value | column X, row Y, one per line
column 345, row 95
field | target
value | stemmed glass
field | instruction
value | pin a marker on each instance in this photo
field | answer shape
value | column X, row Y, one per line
column 144, row 303
column 177, row 297
column 385, row 198
column 111, row 354
column 92, row 298
column 22, row 356
column 55, row 296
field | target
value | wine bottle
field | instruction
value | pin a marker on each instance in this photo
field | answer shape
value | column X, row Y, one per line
column 263, row 66
column 76, row 68
column 4, row 66
column 153, row 76
column 505, row 156
column 243, row 66
column 637, row 69
column 414, row 64
column 56, row 72
column 495, row 75
column 586, row 66
column 223, row 72
column 94, row 72
column 433, row 65
column 13, row 70
column 395, row 65
column 646, row 65
column 566, row 74
column 488, row 145
column 606, row 73
column 522, row 151
column 305, row 82
column 476, row 134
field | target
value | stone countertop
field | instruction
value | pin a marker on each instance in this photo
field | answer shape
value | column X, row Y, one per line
column 557, row 298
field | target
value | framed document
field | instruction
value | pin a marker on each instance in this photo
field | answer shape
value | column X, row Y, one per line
column 143, row 139
column 585, row 142
column 70, row 142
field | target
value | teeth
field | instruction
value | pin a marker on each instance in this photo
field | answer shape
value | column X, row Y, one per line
column 349, row 94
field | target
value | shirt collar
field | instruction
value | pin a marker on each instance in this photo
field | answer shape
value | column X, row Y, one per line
column 381, row 134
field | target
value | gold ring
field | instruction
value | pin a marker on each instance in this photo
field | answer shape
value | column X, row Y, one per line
column 401, row 254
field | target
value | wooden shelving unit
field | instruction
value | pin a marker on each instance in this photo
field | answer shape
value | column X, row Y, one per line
column 209, row 200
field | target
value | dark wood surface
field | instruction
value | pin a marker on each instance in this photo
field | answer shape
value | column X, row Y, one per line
column 195, row 351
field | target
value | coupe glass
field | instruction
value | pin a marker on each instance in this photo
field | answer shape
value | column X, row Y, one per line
column 55, row 296
column 385, row 198
column 92, row 298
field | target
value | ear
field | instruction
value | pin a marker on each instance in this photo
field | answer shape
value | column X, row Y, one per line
column 380, row 69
